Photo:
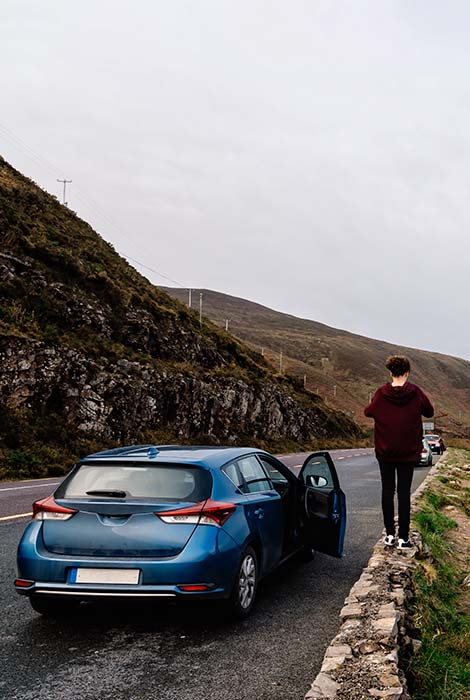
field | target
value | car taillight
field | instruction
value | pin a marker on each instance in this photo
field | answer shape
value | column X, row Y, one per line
column 48, row 509
column 204, row 513
column 23, row 583
column 195, row 587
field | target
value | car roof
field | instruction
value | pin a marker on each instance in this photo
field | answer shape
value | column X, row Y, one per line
column 206, row 456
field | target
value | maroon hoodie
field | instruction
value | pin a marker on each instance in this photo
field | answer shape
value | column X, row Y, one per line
column 397, row 412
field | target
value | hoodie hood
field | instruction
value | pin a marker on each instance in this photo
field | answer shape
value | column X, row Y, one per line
column 399, row 395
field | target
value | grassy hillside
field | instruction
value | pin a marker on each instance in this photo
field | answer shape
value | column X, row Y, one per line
column 93, row 354
column 330, row 357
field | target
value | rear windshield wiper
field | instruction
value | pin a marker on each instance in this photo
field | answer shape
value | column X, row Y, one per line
column 107, row 492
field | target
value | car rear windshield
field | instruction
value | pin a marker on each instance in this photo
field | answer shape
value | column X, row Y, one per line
column 431, row 437
column 156, row 482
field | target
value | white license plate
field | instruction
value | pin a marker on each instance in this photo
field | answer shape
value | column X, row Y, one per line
column 129, row 576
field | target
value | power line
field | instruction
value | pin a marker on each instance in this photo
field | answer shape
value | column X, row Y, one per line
column 160, row 274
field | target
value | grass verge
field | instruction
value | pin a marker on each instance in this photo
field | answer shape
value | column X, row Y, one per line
column 441, row 670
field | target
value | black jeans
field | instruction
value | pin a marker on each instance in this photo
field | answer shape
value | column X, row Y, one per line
column 404, row 474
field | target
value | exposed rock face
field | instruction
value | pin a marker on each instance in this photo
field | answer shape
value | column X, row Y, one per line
column 122, row 399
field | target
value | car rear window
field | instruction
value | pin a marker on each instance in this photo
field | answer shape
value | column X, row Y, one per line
column 161, row 483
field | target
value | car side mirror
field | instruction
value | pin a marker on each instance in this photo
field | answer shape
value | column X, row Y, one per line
column 316, row 481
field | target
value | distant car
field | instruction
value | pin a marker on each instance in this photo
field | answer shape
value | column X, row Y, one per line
column 436, row 443
column 426, row 454
column 171, row 523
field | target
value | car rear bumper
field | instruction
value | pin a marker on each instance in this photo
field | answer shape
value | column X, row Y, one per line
column 74, row 592
column 210, row 558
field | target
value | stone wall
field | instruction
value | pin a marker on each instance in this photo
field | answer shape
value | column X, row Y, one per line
column 377, row 633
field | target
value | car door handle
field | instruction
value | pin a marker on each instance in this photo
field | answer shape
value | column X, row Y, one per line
column 259, row 512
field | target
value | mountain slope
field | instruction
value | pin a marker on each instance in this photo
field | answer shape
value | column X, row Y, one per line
column 92, row 353
column 330, row 358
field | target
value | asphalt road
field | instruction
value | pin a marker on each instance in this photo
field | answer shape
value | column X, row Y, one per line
column 143, row 653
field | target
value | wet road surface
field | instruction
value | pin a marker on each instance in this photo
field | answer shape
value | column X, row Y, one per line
column 143, row 653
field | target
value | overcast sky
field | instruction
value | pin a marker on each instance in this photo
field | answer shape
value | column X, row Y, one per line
column 311, row 155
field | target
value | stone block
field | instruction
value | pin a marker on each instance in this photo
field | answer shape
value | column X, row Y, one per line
column 365, row 592
column 323, row 688
column 350, row 611
column 338, row 650
column 332, row 663
column 351, row 599
column 387, row 626
column 387, row 610
column 375, row 561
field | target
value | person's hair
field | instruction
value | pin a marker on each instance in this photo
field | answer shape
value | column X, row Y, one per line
column 398, row 365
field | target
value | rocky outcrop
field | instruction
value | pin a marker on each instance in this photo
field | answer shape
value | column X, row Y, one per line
column 122, row 399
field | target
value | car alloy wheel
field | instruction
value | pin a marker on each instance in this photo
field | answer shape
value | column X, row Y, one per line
column 247, row 581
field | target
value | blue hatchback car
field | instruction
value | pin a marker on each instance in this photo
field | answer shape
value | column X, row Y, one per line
column 170, row 522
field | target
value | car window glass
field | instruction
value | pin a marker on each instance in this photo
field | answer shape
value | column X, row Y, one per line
column 156, row 482
column 317, row 473
column 253, row 475
column 271, row 470
column 233, row 474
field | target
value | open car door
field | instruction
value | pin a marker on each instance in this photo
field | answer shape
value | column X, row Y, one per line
column 324, row 504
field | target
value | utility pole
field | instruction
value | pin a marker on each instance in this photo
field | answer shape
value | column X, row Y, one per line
column 305, row 381
column 280, row 363
column 334, row 389
column 226, row 324
column 262, row 351
column 200, row 308
column 65, row 182
column 189, row 297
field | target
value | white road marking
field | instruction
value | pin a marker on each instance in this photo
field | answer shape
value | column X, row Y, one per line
column 36, row 486
column 12, row 517
column 340, row 458
column 42, row 478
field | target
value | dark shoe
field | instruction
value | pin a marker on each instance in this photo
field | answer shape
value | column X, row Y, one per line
column 404, row 544
column 389, row 540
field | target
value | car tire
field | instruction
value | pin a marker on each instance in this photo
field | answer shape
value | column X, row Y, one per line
column 48, row 606
column 243, row 594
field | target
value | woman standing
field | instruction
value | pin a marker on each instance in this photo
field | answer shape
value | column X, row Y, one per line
column 396, row 408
